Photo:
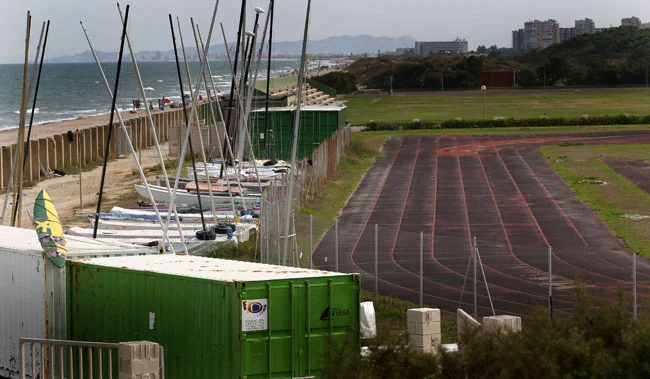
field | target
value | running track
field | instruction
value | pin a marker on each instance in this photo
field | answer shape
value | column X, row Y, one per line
column 497, row 189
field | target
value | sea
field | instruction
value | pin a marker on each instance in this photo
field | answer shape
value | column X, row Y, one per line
column 69, row 91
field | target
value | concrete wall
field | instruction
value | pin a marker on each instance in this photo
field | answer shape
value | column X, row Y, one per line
column 88, row 145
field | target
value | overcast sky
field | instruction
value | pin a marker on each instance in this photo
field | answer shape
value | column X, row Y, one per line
column 480, row 22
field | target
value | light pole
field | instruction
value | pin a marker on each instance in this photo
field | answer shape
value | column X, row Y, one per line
column 484, row 90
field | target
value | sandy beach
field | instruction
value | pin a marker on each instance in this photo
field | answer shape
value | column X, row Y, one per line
column 8, row 137
column 121, row 175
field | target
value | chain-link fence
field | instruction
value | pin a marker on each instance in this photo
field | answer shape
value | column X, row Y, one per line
column 310, row 176
column 445, row 266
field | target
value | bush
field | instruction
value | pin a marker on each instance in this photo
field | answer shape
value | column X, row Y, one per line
column 342, row 82
column 597, row 340
column 511, row 122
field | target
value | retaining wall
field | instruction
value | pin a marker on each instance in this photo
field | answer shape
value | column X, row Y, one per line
column 87, row 145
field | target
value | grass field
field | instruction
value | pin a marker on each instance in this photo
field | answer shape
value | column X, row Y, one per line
column 580, row 165
column 282, row 81
column 469, row 106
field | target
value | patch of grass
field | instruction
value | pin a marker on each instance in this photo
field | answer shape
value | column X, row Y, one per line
column 567, row 144
column 470, row 107
column 582, row 166
column 279, row 82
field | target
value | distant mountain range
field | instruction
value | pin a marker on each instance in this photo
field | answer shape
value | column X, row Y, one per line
column 340, row 45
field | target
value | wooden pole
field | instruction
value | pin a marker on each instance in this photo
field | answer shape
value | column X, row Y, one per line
column 19, row 194
column 81, row 191
column 21, row 125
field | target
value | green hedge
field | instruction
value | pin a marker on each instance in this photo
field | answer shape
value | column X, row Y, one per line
column 510, row 122
column 322, row 87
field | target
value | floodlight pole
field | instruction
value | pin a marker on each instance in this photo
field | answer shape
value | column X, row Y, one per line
column 484, row 90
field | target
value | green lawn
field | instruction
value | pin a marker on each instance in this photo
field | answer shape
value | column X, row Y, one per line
column 580, row 166
column 470, row 107
column 282, row 81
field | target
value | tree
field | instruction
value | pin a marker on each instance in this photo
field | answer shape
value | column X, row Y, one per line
column 527, row 78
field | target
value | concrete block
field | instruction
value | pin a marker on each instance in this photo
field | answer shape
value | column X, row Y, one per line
column 465, row 322
column 501, row 324
column 43, row 150
column 436, row 339
column 139, row 359
column 94, row 135
column 422, row 315
column 51, row 153
column 417, row 340
column 7, row 159
column 59, row 151
column 33, row 167
column 426, row 328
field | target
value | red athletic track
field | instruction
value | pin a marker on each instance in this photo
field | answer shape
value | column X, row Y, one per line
column 497, row 189
column 637, row 172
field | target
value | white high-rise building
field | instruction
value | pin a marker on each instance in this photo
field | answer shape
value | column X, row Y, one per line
column 632, row 22
column 586, row 26
column 541, row 34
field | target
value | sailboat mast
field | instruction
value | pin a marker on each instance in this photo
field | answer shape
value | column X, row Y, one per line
column 21, row 124
column 165, row 238
column 232, row 85
column 179, row 169
column 268, row 82
column 294, row 145
column 187, row 122
column 19, row 194
column 110, row 123
column 198, row 126
column 199, row 50
column 154, row 134
column 14, row 158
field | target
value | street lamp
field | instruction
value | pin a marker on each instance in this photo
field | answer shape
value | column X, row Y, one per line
column 484, row 90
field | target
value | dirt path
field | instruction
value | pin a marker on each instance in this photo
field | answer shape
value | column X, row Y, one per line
column 121, row 175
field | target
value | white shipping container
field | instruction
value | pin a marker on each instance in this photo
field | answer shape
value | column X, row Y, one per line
column 32, row 291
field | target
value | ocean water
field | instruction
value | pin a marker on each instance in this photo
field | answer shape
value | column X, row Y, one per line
column 71, row 91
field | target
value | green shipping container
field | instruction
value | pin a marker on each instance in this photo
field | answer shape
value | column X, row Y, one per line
column 216, row 318
column 318, row 123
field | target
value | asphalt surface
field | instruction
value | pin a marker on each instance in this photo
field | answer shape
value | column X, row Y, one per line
column 497, row 189
column 637, row 172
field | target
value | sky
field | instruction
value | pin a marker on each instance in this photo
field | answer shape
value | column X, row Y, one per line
column 478, row 21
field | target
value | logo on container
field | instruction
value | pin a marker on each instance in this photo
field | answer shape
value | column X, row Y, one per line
column 253, row 307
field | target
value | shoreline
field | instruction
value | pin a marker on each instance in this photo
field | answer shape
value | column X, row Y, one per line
column 9, row 137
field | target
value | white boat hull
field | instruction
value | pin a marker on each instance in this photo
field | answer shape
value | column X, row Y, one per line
column 161, row 195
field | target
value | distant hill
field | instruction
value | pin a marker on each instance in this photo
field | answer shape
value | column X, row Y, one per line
column 341, row 45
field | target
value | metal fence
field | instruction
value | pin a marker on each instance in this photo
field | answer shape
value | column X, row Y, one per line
column 48, row 358
column 311, row 175
column 487, row 275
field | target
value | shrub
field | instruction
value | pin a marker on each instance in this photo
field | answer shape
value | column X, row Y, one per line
column 511, row 122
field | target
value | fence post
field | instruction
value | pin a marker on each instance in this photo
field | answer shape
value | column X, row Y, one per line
column 550, row 282
column 336, row 245
column 376, row 262
column 421, row 267
column 634, row 285
column 278, row 214
column 311, row 239
column 474, row 284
